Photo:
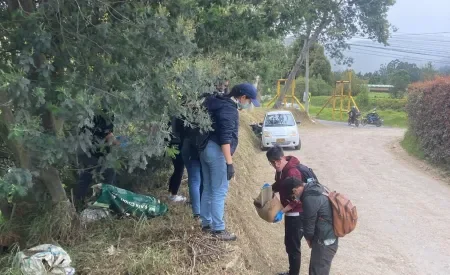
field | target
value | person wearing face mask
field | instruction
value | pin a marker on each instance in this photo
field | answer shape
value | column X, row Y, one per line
column 287, row 167
column 217, row 157
column 318, row 223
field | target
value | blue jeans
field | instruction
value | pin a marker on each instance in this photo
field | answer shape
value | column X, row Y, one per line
column 215, row 186
column 193, row 168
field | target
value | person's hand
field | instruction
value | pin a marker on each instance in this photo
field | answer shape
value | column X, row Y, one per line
column 265, row 185
column 122, row 141
column 309, row 243
column 230, row 171
column 278, row 217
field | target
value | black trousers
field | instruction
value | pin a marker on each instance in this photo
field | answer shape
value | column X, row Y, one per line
column 293, row 234
column 89, row 166
column 321, row 257
column 177, row 175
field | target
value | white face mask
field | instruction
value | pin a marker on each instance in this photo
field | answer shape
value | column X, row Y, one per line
column 243, row 106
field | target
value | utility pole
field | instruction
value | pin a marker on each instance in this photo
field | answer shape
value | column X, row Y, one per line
column 306, row 93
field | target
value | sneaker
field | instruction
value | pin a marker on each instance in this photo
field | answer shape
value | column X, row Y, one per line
column 224, row 235
column 177, row 198
column 197, row 219
column 206, row 229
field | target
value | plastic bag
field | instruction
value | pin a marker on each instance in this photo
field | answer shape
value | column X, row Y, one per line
column 267, row 204
column 45, row 259
column 93, row 214
column 123, row 202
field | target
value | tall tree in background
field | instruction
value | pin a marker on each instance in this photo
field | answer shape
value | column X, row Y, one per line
column 428, row 72
column 334, row 22
column 400, row 79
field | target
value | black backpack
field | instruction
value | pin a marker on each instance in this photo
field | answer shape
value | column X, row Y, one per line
column 198, row 139
column 307, row 173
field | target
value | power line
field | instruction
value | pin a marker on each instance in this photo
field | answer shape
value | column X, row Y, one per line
column 410, row 39
column 388, row 55
column 429, row 33
column 398, row 50
column 419, row 50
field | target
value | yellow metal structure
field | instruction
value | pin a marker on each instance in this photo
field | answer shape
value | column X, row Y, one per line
column 288, row 97
column 343, row 96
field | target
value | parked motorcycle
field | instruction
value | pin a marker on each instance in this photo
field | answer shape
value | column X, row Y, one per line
column 372, row 118
column 257, row 129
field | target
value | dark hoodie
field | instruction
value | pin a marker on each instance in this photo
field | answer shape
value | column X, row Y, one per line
column 225, row 120
column 290, row 170
column 317, row 213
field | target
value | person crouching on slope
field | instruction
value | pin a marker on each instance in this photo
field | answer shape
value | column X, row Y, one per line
column 287, row 167
column 317, row 224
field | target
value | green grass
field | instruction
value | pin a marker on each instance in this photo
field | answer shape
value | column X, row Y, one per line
column 411, row 145
column 391, row 118
column 379, row 95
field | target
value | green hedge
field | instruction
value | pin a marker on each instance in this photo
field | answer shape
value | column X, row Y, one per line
column 429, row 117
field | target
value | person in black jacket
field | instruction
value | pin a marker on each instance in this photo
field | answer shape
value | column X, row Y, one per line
column 216, row 158
column 102, row 139
column 221, row 86
column 317, row 224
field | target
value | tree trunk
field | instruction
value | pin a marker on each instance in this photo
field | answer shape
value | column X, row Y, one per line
column 20, row 156
column 50, row 177
column 51, row 180
column 306, row 93
column 5, row 209
column 293, row 73
column 309, row 41
column 258, row 96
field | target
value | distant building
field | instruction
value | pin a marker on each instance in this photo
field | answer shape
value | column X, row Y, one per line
column 379, row 88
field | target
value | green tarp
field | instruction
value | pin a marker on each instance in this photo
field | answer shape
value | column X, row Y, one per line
column 122, row 201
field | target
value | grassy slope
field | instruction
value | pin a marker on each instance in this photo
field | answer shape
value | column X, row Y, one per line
column 411, row 145
column 172, row 244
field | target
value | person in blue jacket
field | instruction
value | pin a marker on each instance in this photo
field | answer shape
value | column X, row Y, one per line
column 217, row 157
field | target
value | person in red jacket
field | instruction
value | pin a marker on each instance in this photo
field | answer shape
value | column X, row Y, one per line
column 286, row 167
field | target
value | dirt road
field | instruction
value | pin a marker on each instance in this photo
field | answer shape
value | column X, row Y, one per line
column 404, row 211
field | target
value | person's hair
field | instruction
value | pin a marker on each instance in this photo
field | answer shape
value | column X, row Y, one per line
column 291, row 183
column 235, row 92
column 275, row 153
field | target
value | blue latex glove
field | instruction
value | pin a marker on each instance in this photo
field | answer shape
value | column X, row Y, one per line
column 266, row 185
column 278, row 217
column 123, row 141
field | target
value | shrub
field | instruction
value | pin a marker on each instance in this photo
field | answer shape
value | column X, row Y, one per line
column 319, row 101
column 428, row 109
column 317, row 86
column 363, row 98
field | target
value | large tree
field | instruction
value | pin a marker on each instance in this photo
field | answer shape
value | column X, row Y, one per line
column 334, row 23
column 62, row 61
